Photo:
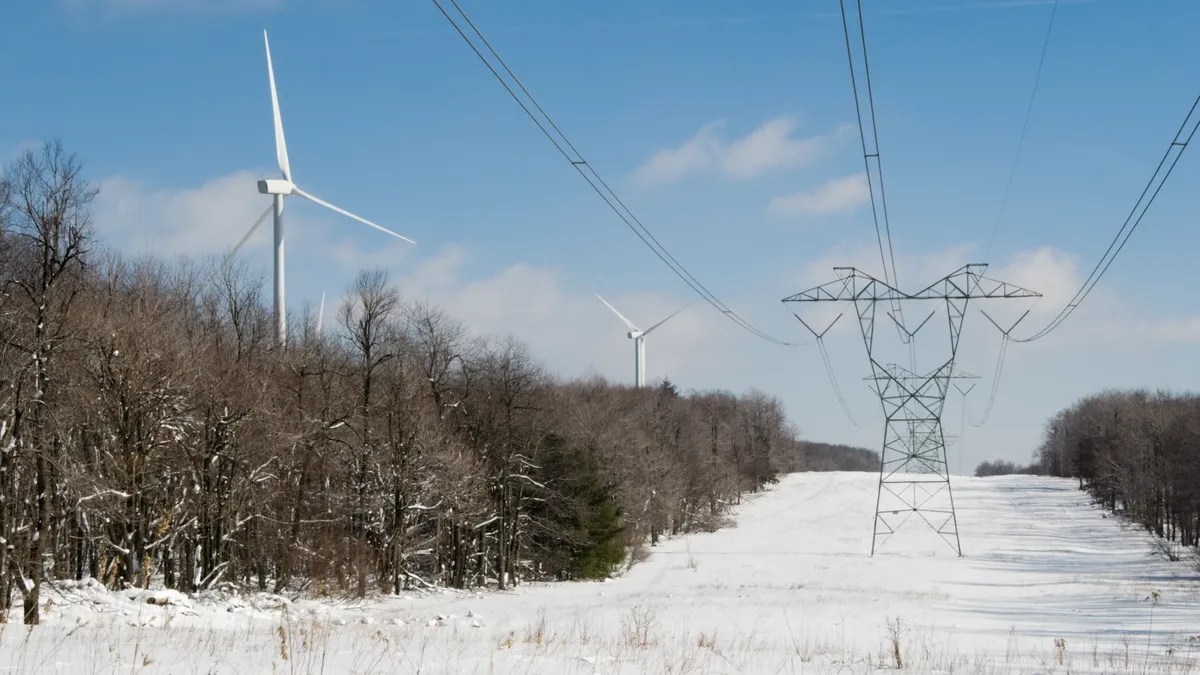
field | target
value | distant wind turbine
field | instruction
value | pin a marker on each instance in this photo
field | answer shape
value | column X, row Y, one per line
column 639, row 341
column 280, row 189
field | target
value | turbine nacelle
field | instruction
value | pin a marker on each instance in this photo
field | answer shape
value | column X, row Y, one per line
column 275, row 186
column 633, row 335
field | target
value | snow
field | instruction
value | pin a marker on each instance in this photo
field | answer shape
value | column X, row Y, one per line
column 1048, row 584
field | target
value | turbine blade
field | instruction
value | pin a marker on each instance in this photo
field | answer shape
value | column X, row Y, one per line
column 344, row 212
column 280, row 143
column 247, row 237
column 621, row 316
column 666, row 319
column 321, row 314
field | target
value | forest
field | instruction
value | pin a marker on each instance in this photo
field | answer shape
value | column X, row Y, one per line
column 1137, row 453
column 835, row 457
column 150, row 428
column 1003, row 467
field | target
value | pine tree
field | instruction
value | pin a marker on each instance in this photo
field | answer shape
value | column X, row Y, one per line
column 584, row 537
column 600, row 525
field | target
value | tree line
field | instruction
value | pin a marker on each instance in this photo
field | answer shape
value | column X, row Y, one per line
column 151, row 428
column 837, row 457
column 1003, row 467
column 1137, row 453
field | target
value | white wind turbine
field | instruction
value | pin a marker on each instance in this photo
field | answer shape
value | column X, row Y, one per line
column 280, row 189
column 639, row 341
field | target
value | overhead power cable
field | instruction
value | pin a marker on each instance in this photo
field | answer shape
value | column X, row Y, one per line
column 828, row 363
column 1187, row 131
column 962, row 425
column 1012, row 173
column 882, row 235
column 987, row 412
column 581, row 165
column 837, row 387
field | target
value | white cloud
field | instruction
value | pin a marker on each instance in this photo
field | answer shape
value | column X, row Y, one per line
column 837, row 195
column 1103, row 318
column 695, row 154
column 573, row 332
column 211, row 218
column 386, row 252
column 771, row 146
column 1048, row 271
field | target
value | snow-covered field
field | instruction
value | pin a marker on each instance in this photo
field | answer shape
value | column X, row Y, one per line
column 1048, row 584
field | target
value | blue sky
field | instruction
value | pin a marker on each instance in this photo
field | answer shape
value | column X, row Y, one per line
column 702, row 115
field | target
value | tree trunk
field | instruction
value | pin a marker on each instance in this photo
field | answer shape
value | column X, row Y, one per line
column 33, row 589
column 502, row 537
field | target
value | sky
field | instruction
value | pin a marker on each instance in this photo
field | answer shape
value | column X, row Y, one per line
column 727, row 128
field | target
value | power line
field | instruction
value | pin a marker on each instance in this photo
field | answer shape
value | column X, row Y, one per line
column 1024, row 128
column 987, row 411
column 1012, row 173
column 563, row 144
column 862, row 31
column 1178, row 144
column 962, row 424
column 837, row 388
column 828, row 363
column 884, row 240
column 1131, row 223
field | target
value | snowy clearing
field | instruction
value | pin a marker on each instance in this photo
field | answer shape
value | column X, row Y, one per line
column 1048, row 584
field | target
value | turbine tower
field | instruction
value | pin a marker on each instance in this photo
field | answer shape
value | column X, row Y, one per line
column 639, row 342
column 279, row 189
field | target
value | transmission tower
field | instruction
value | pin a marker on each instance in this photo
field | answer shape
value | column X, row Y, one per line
column 913, row 464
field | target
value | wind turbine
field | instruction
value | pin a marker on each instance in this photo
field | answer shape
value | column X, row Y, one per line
column 639, row 341
column 279, row 189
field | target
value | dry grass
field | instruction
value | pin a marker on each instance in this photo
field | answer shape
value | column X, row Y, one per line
column 641, row 644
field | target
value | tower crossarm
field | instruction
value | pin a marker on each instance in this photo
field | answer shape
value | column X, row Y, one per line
column 893, row 371
column 969, row 283
column 852, row 285
column 965, row 283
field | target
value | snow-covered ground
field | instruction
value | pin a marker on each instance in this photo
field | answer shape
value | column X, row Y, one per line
column 1048, row 584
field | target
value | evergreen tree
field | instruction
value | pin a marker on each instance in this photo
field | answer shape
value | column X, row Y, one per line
column 600, row 523
column 583, row 538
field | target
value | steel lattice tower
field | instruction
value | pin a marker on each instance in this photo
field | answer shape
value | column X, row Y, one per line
column 913, row 462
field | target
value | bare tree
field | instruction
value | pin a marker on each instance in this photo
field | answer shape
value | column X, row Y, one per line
column 1135, row 452
column 150, row 432
column 368, row 317
column 47, row 212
